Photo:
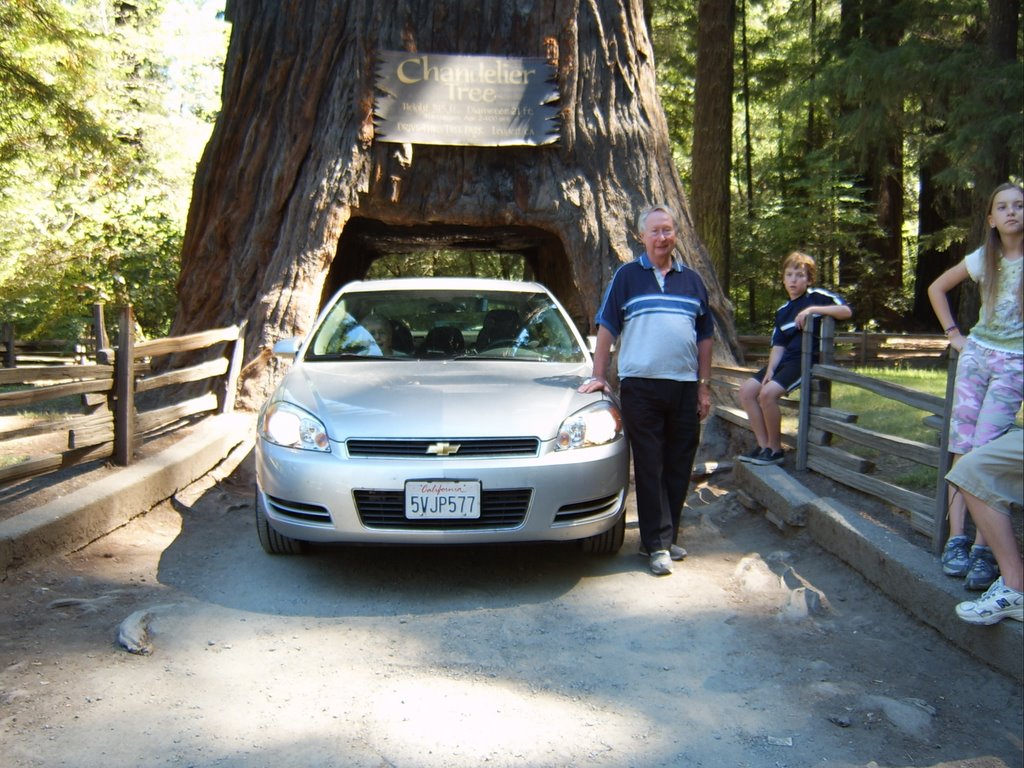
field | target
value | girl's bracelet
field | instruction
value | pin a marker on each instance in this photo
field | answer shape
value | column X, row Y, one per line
column 952, row 328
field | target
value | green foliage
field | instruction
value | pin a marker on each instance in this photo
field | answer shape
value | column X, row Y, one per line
column 444, row 263
column 915, row 72
column 94, row 200
column 44, row 69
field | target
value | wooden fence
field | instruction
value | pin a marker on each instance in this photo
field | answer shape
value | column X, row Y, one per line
column 865, row 349
column 818, row 422
column 21, row 352
column 44, row 352
column 113, row 392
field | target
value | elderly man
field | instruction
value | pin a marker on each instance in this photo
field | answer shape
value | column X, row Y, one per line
column 657, row 308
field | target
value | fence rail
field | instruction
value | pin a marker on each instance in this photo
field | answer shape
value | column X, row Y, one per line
column 865, row 349
column 818, row 422
column 113, row 396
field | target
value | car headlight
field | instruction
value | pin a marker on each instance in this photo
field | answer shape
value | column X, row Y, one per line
column 597, row 424
column 290, row 426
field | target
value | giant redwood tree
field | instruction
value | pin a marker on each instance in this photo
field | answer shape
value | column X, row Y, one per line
column 296, row 195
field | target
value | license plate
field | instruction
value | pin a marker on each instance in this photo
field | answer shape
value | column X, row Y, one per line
column 442, row 499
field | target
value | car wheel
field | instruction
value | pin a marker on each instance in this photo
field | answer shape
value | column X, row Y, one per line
column 273, row 543
column 609, row 542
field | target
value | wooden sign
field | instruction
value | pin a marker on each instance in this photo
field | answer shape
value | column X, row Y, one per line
column 484, row 101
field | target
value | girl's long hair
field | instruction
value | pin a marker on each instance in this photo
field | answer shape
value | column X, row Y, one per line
column 993, row 258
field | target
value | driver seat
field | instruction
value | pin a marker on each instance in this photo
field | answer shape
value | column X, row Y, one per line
column 443, row 341
column 499, row 325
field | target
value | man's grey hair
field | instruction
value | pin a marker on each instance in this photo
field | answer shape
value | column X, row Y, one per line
column 641, row 220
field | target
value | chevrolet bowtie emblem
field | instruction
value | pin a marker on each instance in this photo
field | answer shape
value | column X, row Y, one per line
column 443, row 449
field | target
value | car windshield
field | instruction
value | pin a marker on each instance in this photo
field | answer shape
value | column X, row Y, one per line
column 408, row 324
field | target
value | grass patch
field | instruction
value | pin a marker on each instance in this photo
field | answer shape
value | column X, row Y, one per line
column 879, row 414
column 889, row 417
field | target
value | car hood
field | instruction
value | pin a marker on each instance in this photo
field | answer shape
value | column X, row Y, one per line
column 382, row 399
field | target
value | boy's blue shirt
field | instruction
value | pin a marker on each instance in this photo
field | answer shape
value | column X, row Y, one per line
column 787, row 335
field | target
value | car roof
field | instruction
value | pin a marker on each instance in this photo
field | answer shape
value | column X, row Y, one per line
column 443, row 283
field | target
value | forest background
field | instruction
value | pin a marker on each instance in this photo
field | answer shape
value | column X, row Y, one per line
column 866, row 132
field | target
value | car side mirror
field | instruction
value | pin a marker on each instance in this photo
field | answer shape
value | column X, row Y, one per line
column 287, row 348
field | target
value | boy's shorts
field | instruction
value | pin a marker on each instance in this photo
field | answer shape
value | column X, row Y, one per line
column 787, row 374
column 993, row 472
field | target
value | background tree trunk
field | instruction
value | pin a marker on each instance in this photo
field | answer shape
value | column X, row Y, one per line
column 293, row 197
column 936, row 212
column 1003, row 32
column 712, row 135
column 874, row 25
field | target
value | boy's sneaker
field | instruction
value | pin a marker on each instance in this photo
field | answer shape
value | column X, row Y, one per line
column 983, row 570
column 956, row 557
column 751, row 455
column 998, row 603
column 675, row 552
column 661, row 563
column 768, row 456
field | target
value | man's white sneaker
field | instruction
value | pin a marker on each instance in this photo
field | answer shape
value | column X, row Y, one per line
column 661, row 563
column 674, row 551
column 999, row 602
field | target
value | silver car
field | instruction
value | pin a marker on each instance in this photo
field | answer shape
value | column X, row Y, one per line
column 440, row 410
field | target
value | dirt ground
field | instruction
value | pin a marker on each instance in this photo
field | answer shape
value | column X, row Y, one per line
column 761, row 650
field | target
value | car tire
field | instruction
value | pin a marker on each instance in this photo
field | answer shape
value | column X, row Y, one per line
column 609, row 542
column 273, row 543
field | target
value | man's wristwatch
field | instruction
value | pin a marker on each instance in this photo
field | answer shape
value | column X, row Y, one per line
column 705, row 382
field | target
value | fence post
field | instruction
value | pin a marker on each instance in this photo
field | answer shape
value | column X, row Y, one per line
column 236, row 350
column 124, row 389
column 804, row 421
column 940, row 523
column 10, row 358
column 822, row 395
column 100, row 334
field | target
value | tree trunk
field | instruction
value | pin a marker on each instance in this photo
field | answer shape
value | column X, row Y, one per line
column 1003, row 32
column 878, row 274
column 712, row 131
column 748, row 146
column 294, row 197
column 937, row 211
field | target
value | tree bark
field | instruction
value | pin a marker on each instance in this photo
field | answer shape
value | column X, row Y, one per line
column 293, row 195
column 879, row 271
column 1001, row 42
column 937, row 210
column 712, row 134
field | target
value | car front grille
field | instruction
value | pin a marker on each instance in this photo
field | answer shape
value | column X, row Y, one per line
column 298, row 510
column 584, row 509
column 497, row 447
column 498, row 509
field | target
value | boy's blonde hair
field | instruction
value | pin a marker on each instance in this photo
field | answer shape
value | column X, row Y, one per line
column 800, row 259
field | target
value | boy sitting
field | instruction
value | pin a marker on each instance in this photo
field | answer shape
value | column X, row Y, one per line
column 760, row 395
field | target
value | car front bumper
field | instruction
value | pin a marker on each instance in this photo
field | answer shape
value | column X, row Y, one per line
column 331, row 497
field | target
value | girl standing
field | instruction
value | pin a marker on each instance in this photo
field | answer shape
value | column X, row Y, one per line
column 990, row 373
